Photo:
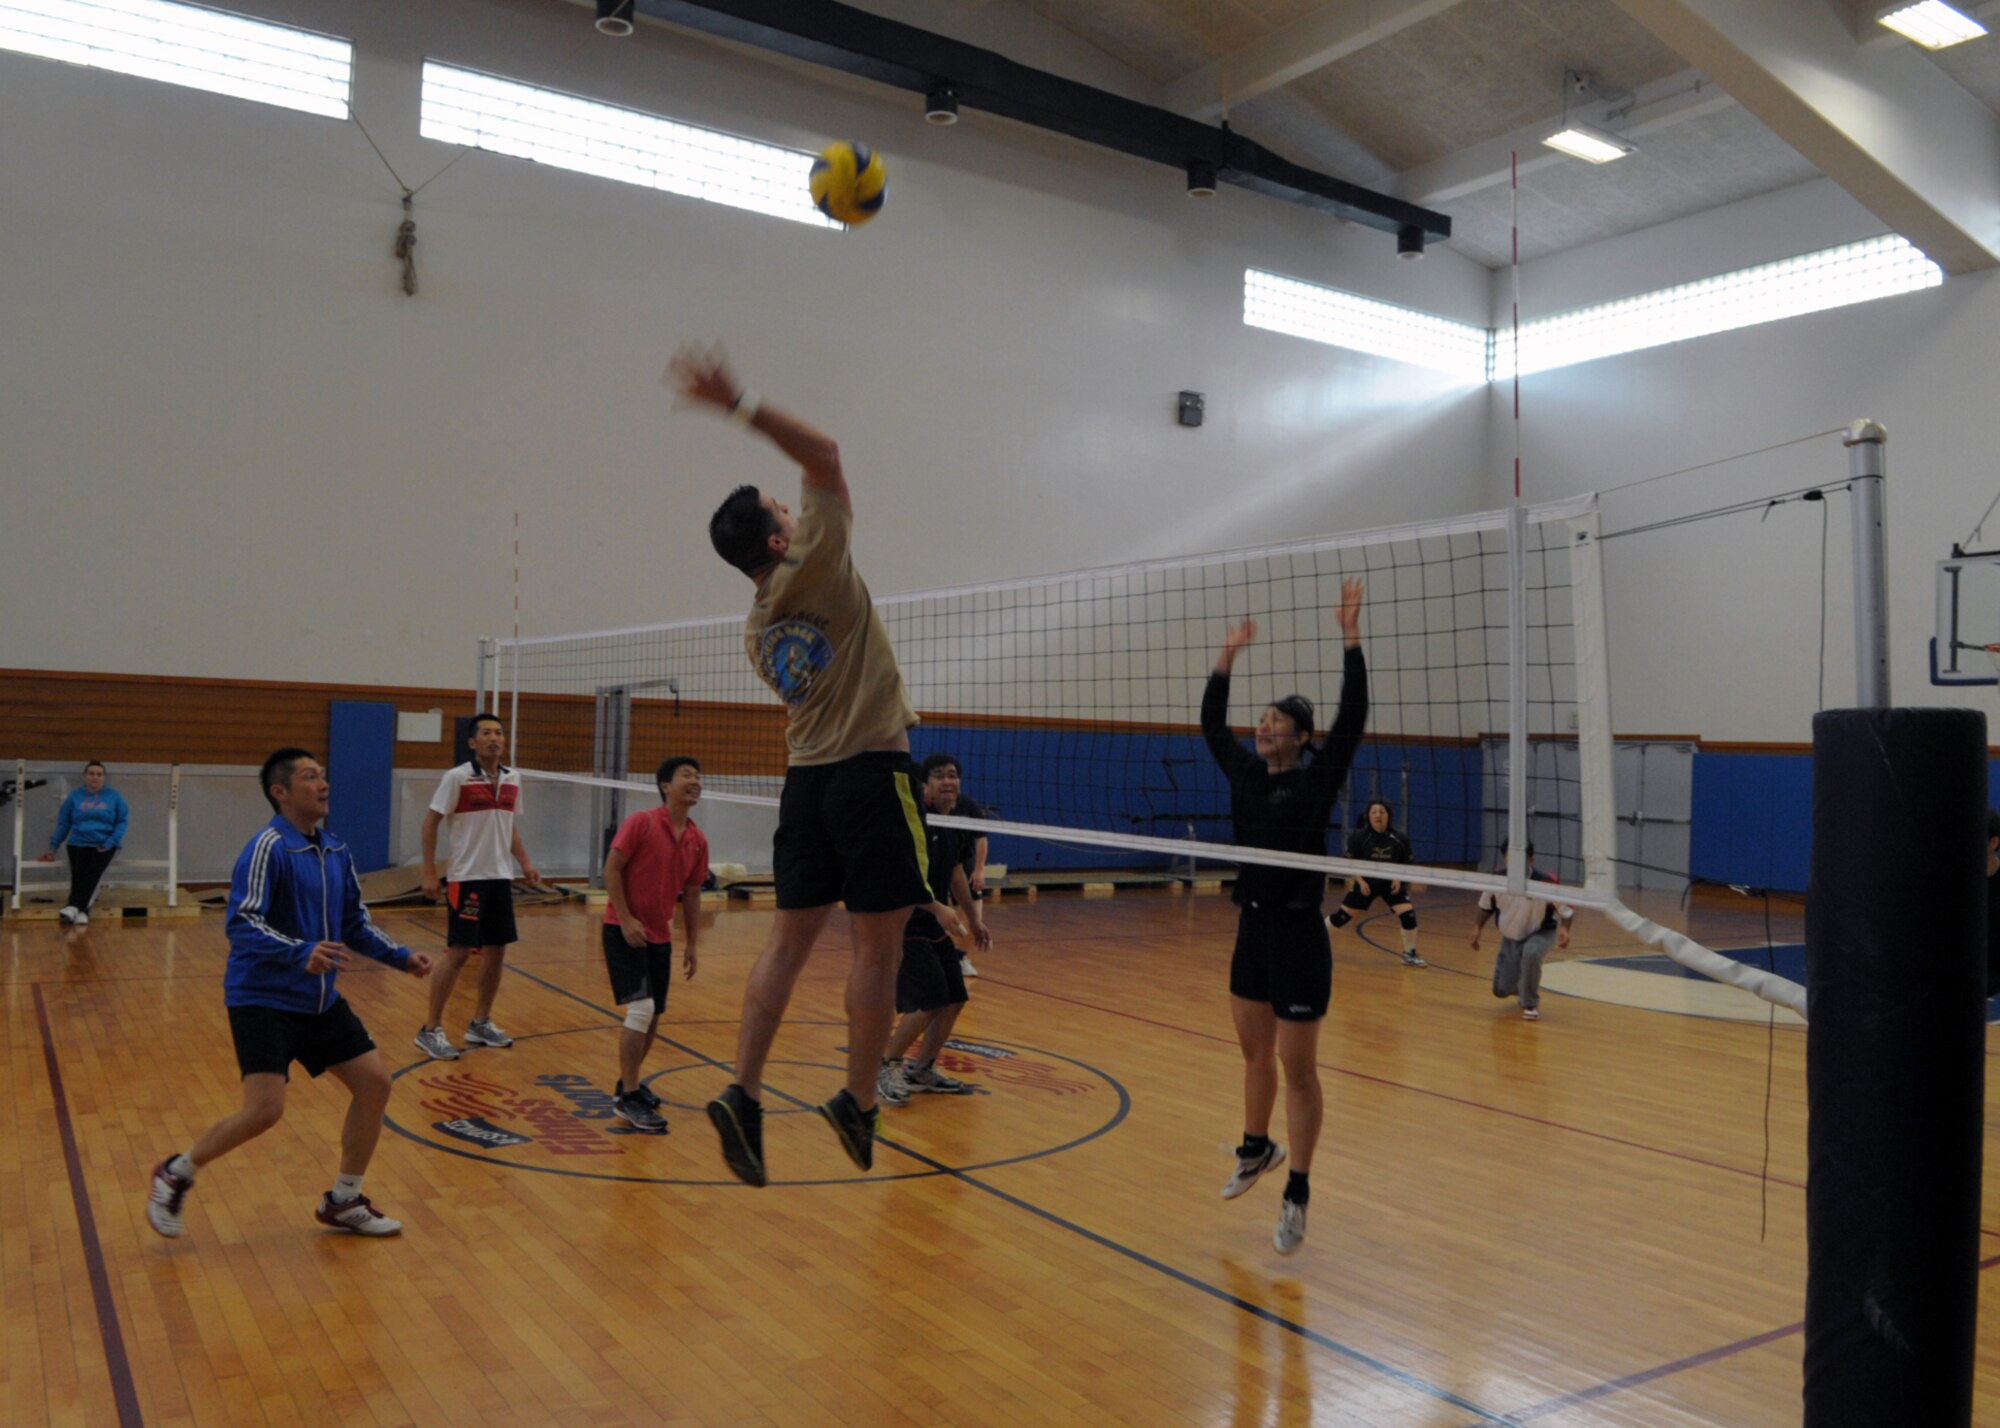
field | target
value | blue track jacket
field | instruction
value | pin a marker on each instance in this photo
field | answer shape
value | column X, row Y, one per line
column 289, row 892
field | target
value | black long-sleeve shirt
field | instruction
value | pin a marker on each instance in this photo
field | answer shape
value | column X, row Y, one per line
column 1285, row 812
column 1364, row 844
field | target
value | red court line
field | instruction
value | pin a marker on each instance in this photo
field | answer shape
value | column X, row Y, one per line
column 1707, row 1356
column 1416, row 1090
column 123, row 1391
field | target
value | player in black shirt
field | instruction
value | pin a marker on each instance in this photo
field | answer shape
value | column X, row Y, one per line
column 930, row 982
column 1281, row 975
column 1377, row 840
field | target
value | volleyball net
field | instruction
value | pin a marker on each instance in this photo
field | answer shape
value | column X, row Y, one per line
column 1071, row 702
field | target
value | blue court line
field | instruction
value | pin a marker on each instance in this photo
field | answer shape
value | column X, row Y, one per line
column 1354, row 1355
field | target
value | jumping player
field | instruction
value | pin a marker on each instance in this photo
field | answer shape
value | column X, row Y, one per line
column 1281, row 975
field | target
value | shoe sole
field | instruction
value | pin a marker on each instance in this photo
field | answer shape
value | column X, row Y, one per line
column 360, row 1234
column 1276, row 1160
column 860, row 1150
column 736, row 1153
column 961, row 1089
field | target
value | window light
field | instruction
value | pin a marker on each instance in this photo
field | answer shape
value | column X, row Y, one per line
column 505, row 117
column 1363, row 325
column 1930, row 23
column 187, row 45
column 1812, row 282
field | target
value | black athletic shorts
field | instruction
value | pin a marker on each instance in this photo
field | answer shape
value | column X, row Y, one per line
column 482, row 913
column 268, row 1041
column 929, row 978
column 1283, row 957
column 1357, row 900
column 638, row 972
column 852, row 832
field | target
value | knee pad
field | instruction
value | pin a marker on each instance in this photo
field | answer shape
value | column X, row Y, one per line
column 639, row 1015
column 1341, row 917
column 1408, row 919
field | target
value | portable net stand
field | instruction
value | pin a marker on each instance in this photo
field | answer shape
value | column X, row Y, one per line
column 1073, row 700
column 32, row 877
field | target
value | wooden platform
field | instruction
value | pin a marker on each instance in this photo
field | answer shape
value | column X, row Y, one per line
column 1553, row 1222
column 112, row 903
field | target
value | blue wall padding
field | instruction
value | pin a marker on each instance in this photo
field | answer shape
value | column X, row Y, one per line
column 360, row 766
column 1752, row 820
column 1167, row 779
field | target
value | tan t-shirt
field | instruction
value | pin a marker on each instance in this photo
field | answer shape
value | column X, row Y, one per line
column 813, row 635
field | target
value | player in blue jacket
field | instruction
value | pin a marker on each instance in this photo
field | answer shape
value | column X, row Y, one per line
column 295, row 912
column 92, row 821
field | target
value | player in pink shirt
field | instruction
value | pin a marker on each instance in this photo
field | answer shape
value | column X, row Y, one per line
column 659, row 858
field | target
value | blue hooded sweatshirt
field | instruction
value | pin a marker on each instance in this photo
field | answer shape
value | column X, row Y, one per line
column 92, row 820
column 288, row 893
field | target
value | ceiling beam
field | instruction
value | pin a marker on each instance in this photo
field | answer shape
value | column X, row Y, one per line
column 889, row 52
column 1887, row 125
column 1313, row 41
column 1660, row 105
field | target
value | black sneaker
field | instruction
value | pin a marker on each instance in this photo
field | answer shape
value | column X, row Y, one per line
column 855, row 1127
column 645, row 1093
column 740, row 1122
column 632, row 1108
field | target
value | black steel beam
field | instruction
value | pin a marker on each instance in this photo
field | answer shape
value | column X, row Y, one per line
column 890, row 52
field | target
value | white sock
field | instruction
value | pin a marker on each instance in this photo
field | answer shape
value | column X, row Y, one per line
column 345, row 1188
column 182, row 1165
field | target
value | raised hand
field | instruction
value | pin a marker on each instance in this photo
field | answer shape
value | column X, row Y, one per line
column 1351, row 591
column 702, row 376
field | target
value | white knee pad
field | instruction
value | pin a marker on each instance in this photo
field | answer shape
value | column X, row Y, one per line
column 639, row 1015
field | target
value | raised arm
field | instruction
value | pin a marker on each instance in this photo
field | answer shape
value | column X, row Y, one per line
column 1221, row 739
column 703, row 376
column 1336, row 756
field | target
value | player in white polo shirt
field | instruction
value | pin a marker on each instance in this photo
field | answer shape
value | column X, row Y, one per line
column 481, row 798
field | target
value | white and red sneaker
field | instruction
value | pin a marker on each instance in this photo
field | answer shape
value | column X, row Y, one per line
column 357, row 1216
column 163, row 1205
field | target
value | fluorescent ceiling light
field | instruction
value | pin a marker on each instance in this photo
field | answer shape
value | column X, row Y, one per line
column 1930, row 23
column 1590, row 144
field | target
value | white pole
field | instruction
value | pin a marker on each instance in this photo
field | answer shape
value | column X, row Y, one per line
column 1866, row 463
column 1517, row 698
column 174, row 837
column 514, row 714
column 20, row 826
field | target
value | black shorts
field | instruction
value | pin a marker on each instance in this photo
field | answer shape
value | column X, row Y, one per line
column 638, row 972
column 1358, row 901
column 1283, row 957
column 852, row 832
column 268, row 1040
column 482, row 913
column 929, row 978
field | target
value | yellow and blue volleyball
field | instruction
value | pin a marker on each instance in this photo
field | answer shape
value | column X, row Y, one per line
column 849, row 183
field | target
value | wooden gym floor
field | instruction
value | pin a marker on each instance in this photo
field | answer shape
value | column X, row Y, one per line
column 1555, row 1223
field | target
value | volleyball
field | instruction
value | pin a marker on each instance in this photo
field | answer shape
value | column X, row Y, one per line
column 849, row 183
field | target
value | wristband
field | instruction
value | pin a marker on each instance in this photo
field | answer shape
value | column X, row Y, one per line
column 744, row 412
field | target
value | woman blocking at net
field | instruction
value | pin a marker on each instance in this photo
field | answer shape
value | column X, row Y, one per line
column 1281, row 975
column 93, row 822
column 1378, row 840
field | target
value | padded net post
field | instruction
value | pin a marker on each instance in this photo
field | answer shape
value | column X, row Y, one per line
column 1895, row 1064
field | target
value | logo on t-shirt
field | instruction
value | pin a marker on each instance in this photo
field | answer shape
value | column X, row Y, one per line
column 791, row 657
